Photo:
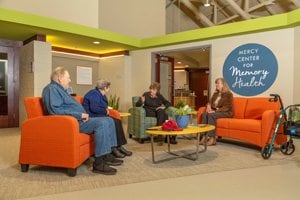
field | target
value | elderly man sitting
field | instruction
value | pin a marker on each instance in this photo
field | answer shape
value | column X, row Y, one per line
column 58, row 102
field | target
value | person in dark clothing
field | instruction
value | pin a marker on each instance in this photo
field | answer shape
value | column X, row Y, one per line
column 155, row 105
column 57, row 101
column 96, row 105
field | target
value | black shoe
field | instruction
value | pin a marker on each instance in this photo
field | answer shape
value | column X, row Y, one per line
column 111, row 160
column 103, row 168
column 173, row 140
column 117, row 153
column 124, row 151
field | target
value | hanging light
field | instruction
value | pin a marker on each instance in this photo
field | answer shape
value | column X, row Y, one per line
column 207, row 3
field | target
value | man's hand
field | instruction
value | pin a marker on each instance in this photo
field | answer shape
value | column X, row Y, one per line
column 84, row 117
column 143, row 98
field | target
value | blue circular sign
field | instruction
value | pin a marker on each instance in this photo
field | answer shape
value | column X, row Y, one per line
column 250, row 69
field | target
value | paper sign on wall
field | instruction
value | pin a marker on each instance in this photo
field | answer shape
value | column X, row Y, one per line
column 84, row 75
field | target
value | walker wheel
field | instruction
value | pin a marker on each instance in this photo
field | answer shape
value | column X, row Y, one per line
column 265, row 153
column 287, row 148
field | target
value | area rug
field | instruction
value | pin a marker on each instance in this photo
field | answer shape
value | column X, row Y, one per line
column 41, row 180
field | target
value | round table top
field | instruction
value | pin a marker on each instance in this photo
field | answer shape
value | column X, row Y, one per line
column 156, row 130
column 124, row 114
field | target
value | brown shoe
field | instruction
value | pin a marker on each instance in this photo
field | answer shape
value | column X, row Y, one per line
column 202, row 140
column 211, row 141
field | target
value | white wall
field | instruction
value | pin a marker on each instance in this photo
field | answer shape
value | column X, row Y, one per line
column 79, row 11
column 296, row 92
column 220, row 49
column 177, row 21
column 35, row 70
column 117, row 70
column 138, row 18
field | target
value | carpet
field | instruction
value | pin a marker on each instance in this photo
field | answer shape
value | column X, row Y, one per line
column 41, row 180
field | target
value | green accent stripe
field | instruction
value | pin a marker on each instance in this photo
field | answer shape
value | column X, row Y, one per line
column 63, row 26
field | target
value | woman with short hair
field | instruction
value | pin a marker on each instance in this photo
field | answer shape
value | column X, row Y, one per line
column 96, row 105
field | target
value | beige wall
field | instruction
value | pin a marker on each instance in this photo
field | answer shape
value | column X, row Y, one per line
column 138, row 18
column 35, row 69
column 71, row 63
column 118, row 71
column 296, row 93
column 220, row 48
column 177, row 21
column 79, row 11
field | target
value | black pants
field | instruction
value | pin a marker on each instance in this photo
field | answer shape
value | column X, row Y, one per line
column 121, row 140
column 160, row 115
column 211, row 118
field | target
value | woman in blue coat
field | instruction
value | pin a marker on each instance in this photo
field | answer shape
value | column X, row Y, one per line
column 96, row 105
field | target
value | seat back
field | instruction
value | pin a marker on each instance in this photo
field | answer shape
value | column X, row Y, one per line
column 134, row 100
column 257, row 105
column 239, row 106
column 79, row 99
column 34, row 107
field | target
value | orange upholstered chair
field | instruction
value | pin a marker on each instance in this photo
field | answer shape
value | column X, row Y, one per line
column 253, row 121
column 52, row 140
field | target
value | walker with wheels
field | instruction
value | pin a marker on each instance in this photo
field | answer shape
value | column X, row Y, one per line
column 291, row 126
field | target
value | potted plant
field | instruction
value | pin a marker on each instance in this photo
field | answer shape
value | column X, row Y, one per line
column 114, row 101
column 182, row 118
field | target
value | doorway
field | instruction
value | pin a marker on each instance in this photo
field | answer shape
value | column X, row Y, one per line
column 164, row 75
column 190, row 75
column 9, row 84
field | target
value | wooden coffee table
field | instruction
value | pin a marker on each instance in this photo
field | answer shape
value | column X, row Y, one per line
column 201, row 129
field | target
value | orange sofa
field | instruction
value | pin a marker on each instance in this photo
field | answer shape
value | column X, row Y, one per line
column 253, row 121
column 53, row 140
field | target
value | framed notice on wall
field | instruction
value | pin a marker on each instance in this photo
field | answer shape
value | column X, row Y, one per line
column 84, row 75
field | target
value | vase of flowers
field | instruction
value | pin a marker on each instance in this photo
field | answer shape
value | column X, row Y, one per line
column 182, row 118
column 113, row 102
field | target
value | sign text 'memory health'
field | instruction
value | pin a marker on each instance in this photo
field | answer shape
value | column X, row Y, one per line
column 250, row 69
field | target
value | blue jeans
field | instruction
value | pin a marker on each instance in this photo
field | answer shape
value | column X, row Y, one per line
column 104, row 133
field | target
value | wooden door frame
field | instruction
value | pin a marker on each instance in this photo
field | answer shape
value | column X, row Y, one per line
column 12, row 49
column 158, row 59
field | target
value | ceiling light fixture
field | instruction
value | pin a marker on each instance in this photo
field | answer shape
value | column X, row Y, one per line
column 207, row 3
column 96, row 42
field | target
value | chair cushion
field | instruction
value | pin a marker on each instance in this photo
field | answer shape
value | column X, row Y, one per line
column 85, row 138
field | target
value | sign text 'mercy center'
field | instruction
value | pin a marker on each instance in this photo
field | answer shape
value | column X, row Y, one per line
column 250, row 69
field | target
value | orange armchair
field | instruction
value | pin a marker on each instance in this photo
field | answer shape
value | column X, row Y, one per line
column 52, row 140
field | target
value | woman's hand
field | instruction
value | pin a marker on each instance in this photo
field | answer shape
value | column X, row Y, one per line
column 84, row 117
column 161, row 107
column 208, row 109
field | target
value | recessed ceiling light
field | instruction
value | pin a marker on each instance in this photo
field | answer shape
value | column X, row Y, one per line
column 96, row 42
column 178, row 62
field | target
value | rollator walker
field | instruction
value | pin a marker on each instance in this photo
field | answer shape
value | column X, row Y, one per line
column 291, row 128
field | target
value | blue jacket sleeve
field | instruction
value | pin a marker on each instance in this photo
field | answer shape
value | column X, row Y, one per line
column 55, row 104
column 96, row 104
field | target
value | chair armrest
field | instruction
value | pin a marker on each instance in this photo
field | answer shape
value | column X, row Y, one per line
column 199, row 114
column 52, row 129
column 114, row 114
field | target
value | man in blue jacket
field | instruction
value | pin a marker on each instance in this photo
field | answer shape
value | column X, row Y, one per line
column 58, row 102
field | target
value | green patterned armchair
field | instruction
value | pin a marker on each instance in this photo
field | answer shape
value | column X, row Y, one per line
column 138, row 122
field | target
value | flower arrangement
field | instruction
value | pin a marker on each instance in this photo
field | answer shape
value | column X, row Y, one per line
column 182, row 109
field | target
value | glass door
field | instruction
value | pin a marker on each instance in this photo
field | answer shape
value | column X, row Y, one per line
column 9, row 104
column 165, row 76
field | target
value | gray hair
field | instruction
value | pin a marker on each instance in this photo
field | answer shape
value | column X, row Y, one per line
column 101, row 84
column 57, row 73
